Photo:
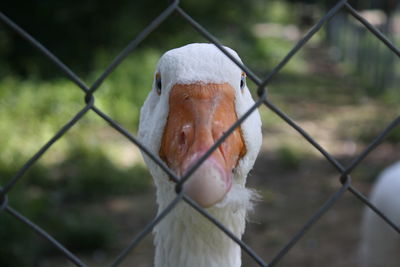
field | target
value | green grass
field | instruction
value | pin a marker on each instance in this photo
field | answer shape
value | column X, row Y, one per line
column 31, row 110
column 290, row 157
column 90, row 163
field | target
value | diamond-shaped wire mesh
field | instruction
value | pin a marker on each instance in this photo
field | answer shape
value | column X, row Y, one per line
column 343, row 172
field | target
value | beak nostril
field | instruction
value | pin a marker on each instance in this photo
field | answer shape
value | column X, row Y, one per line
column 184, row 135
column 182, row 138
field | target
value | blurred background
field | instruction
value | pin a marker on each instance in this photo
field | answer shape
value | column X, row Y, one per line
column 91, row 190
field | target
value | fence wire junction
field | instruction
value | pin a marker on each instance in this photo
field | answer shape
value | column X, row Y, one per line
column 344, row 172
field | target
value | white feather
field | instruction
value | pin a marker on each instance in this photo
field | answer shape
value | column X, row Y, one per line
column 380, row 244
column 184, row 237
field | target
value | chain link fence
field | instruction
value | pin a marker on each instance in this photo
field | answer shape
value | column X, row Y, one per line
column 343, row 172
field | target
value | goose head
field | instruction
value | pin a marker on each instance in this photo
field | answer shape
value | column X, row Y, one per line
column 197, row 94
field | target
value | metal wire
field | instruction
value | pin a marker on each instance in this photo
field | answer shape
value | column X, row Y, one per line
column 304, row 40
column 147, row 230
column 327, row 205
column 344, row 172
column 46, row 236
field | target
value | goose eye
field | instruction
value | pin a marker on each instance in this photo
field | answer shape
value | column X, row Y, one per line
column 158, row 83
column 243, row 80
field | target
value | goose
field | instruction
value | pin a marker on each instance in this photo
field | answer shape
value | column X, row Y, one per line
column 380, row 244
column 197, row 94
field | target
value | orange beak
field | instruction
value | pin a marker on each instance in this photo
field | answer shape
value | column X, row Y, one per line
column 198, row 115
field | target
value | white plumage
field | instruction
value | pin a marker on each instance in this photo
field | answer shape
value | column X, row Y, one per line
column 185, row 238
column 380, row 244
